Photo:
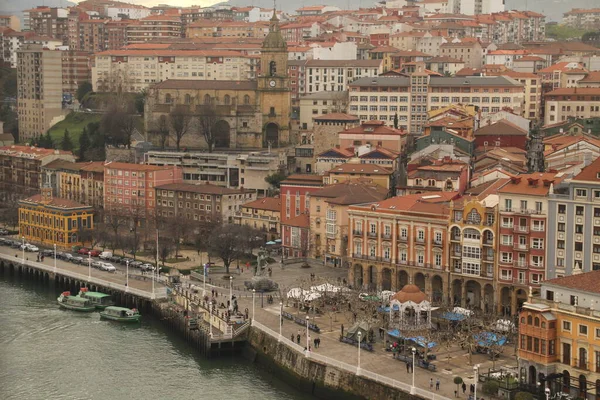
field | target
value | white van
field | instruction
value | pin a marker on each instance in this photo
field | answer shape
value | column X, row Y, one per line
column 105, row 255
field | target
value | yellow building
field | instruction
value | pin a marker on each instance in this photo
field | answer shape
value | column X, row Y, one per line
column 329, row 218
column 559, row 336
column 47, row 220
column 262, row 214
column 353, row 171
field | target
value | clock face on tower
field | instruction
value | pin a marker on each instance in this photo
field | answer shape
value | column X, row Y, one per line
column 272, row 83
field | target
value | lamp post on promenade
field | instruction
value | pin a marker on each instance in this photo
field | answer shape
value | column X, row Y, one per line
column 280, row 318
column 54, row 258
column 358, row 364
column 413, row 389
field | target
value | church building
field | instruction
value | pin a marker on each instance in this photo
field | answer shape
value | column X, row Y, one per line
column 244, row 114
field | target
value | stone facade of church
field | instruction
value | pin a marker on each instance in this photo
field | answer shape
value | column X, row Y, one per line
column 249, row 114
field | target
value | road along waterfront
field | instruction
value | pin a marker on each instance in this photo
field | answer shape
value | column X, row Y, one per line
column 49, row 353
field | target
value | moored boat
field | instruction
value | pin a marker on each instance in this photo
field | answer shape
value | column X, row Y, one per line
column 120, row 314
column 76, row 303
column 98, row 299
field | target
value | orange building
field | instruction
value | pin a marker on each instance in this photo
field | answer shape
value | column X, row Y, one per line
column 399, row 241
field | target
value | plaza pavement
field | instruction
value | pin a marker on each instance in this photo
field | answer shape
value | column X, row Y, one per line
column 450, row 362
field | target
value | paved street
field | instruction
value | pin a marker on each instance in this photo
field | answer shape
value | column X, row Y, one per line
column 450, row 363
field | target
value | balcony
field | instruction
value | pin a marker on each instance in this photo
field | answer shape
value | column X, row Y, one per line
column 521, row 264
column 372, row 234
column 436, row 242
column 357, row 233
column 520, row 247
column 403, row 238
column 420, row 240
column 455, row 238
column 521, row 228
column 581, row 364
column 387, row 236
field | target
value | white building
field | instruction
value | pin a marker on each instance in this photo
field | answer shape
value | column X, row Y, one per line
column 336, row 51
column 335, row 75
column 475, row 7
column 132, row 11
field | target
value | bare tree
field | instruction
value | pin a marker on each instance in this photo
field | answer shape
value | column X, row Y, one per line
column 115, row 220
column 160, row 128
column 179, row 228
column 227, row 243
column 136, row 215
column 179, row 123
column 208, row 126
column 118, row 124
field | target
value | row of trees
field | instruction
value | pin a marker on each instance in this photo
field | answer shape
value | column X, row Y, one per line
column 133, row 230
column 182, row 120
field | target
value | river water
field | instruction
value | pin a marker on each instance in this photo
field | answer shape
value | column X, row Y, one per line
column 49, row 353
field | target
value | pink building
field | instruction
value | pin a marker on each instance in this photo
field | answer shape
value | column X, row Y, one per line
column 129, row 188
column 374, row 133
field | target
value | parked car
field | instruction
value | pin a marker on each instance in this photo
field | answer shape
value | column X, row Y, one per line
column 83, row 251
column 135, row 264
column 3, row 232
column 48, row 253
column 106, row 255
column 77, row 260
column 32, row 248
column 147, row 267
column 94, row 253
column 124, row 260
column 15, row 244
column 68, row 256
column 108, row 267
column 97, row 264
column 115, row 259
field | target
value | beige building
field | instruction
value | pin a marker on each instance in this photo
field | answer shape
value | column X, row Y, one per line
column 138, row 69
column 336, row 75
column 532, row 86
column 355, row 170
column 39, row 90
column 236, row 29
column 321, row 103
column 10, row 21
column 154, row 27
column 262, row 214
column 329, row 218
column 469, row 52
column 571, row 102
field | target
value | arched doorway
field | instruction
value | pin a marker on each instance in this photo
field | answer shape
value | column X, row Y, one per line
column 531, row 377
column 420, row 281
column 457, row 292
column 386, row 279
column 358, row 276
column 372, row 277
column 566, row 381
column 582, row 387
column 521, row 299
column 271, row 135
column 505, row 300
column 402, row 279
column 488, row 298
column 473, row 295
column 222, row 134
column 437, row 287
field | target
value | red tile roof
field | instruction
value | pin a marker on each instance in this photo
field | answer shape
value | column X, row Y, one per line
column 591, row 173
column 586, row 282
column 301, row 221
column 435, row 204
column 266, row 203
column 353, row 168
column 536, row 184
column 55, row 202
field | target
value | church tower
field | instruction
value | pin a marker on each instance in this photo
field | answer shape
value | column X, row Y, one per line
column 274, row 87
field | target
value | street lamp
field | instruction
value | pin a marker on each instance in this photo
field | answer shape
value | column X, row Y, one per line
column 55, row 258
column 230, row 292
column 253, row 294
column 358, row 365
column 23, row 248
column 89, row 266
column 413, row 389
column 212, row 307
column 476, row 370
column 127, row 276
column 204, row 279
column 547, row 391
column 307, row 338
column 280, row 318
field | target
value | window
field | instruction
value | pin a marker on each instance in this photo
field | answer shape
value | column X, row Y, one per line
column 537, row 243
column 549, row 295
column 583, row 330
column 506, row 257
column 538, row 226
column 574, row 300
column 567, row 326
column 561, row 227
column 472, row 252
column 403, row 233
column 562, row 208
column 581, row 193
column 421, row 235
column 579, row 210
column 373, row 228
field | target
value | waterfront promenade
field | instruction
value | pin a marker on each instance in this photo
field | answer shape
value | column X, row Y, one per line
column 377, row 365
column 138, row 285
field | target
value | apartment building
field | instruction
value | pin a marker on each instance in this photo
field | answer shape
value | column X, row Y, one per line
column 295, row 193
column 52, row 221
column 559, row 334
column 75, row 70
column 92, row 184
column 11, row 42
column 262, row 214
column 301, row 31
column 472, row 237
column 203, row 202
column 115, row 33
column 320, row 103
column 532, row 96
column 571, row 102
column 154, row 27
column 10, row 21
column 64, row 178
column 39, row 90
column 581, row 18
column 382, row 98
column 399, row 241
column 470, row 52
column 138, row 69
column 329, row 218
column 46, row 21
column 445, row 175
column 574, row 224
column 130, row 188
column 337, row 75
column 523, row 213
column 227, row 29
column 92, row 35
column 475, row 7
column 231, row 170
column 21, row 168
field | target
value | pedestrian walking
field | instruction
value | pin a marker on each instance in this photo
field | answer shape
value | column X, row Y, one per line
column 298, row 338
column 319, row 342
column 472, row 388
column 342, row 329
column 407, row 367
column 456, row 393
column 464, row 387
column 315, row 343
column 430, row 383
column 292, row 338
column 437, row 384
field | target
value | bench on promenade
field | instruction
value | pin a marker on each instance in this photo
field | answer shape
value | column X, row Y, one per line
column 300, row 321
column 363, row 345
